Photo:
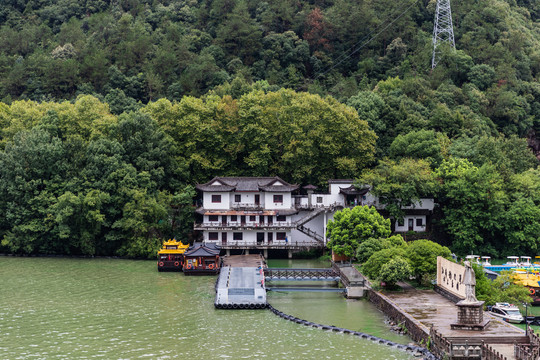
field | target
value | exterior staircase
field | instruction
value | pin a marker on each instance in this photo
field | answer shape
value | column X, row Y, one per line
column 312, row 215
column 312, row 234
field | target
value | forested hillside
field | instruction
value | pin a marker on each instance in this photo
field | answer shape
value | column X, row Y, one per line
column 112, row 110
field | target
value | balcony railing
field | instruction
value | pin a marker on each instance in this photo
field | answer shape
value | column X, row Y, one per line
column 276, row 244
column 251, row 206
column 274, row 225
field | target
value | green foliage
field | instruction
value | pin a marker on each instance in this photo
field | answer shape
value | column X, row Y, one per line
column 225, row 65
column 351, row 227
column 502, row 289
column 372, row 245
column 369, row 247
column 397, row 269
column 422, row 255
column 76, row 180
column 400, row 184
column 421, row 144
column 374, row 264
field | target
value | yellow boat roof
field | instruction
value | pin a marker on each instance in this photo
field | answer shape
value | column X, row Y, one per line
column 173, row 247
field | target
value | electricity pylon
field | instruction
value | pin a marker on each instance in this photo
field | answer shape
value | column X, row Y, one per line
column 443, row 30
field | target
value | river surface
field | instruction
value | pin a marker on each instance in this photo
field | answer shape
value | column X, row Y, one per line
column 56, row 308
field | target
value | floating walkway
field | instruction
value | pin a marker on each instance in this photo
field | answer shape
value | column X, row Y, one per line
column 240, row 284
column 416, row 350
column 240, row 288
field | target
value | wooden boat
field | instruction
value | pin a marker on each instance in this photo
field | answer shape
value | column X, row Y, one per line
column 202, row 259
column 171, row 256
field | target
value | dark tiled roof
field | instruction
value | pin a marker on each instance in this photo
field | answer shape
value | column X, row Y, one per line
column 279, row 188
column 247, row 184
column 200, row 249
column 352, row 190
column 340, row 181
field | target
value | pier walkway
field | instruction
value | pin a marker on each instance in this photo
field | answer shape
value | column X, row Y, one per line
column 240, row 284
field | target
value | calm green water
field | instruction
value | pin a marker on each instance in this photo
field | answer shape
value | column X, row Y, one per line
column 121, row 309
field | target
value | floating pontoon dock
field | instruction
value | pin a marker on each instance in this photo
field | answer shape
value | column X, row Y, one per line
column 241, row 283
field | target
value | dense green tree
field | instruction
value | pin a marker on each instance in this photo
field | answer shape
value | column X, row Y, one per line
column 400, row 184
column 397, row 269
column 372, row 267
column 351, row 227
column 422, row 255
column 421, row 144
column 372, row 245
column 473, row 203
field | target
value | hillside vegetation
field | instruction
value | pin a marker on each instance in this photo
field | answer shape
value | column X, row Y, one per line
column 111, row 110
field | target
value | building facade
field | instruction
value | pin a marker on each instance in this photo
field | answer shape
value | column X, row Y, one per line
column 269, row 213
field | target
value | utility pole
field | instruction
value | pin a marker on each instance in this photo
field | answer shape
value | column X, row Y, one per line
column 443, row 30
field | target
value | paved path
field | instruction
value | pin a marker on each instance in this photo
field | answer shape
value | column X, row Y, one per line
column 432, row 309
column 252, row 260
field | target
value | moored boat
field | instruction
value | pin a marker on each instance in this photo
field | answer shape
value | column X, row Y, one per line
column 529, row 278
column 171, row 256
column 202, row 259
column 507, row 312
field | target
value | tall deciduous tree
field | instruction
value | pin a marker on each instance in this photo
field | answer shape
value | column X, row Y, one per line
column 399, row 184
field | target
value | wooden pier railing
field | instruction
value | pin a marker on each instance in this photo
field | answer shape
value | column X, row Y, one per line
column 446, row 349
column 529, row 351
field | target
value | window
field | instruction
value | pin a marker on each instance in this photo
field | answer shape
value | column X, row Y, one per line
column 401, row 222
column 278, row 198
column 419, row 222
column 319, row 199
column 281, row 236
column 213, row 218
column 237, row 198
column 212, row 236
column 234, row 218
column 237, row 236
column 252, row 218
column 281, row 218
column 216, row 198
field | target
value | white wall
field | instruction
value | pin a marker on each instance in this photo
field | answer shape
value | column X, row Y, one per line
column 405, row 226
column 271, row 205
column 223, row 205
column 246, row 199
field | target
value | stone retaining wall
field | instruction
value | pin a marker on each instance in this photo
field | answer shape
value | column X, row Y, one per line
column 418, row 332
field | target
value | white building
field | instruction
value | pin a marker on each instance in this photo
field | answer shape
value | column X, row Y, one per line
column 262, row 212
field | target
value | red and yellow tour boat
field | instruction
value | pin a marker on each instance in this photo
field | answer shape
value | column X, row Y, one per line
column 171, row 256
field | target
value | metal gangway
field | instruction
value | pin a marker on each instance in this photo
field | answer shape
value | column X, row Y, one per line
column 304, row 275
column 289, row 274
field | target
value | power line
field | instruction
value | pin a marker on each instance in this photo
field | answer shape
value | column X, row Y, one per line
column 354, row 51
